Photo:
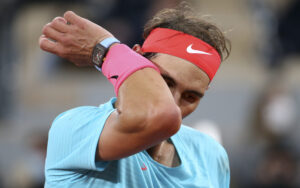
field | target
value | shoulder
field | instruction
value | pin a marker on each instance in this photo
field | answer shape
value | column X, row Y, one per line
column 194, row 136
column 211, row 154
column 83, row 114
column 73, row 138
column 76, row 113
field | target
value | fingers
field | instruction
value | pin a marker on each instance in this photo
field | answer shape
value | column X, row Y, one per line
column 60, row 19
column 71, row 37
column 60, row 24
column 51, row 33
column 47, row 45
column 73, row 18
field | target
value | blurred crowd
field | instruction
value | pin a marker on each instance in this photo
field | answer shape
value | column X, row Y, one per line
column 261, row 139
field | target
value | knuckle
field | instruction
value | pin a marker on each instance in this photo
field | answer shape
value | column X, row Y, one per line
column 44, row 46
column 46, row 28
column 68, row 14
column 42, row 43
column 56, row 19
column 53, row 23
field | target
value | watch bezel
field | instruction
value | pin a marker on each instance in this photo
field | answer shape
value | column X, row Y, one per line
column 98, row 54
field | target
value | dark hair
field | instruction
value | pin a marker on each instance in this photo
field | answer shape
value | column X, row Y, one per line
column 184, row 19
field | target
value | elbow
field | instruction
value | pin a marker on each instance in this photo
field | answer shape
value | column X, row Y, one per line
column 165, row 120
column 160, row 120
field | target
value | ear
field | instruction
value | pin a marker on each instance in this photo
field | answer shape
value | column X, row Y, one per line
column 138, row 49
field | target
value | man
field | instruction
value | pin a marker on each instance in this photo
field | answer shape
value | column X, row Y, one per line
column 136, row 139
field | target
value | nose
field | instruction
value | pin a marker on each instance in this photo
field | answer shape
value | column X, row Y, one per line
column 177, row 97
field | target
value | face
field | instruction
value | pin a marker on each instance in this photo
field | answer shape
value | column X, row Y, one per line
column 186, row 81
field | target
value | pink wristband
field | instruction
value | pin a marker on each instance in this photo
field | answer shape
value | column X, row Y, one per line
column 120, row 62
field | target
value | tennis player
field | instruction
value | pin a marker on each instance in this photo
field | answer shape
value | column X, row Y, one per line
column 136, row 139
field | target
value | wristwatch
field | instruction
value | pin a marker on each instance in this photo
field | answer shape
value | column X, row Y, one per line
column 100, row 51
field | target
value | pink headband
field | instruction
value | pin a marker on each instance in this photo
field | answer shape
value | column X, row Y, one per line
column 185, row 46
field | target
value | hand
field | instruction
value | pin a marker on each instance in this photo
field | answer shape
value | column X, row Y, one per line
column 72, row 37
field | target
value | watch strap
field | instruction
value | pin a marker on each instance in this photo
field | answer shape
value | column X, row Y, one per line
column 100, row 51
column 109, row 41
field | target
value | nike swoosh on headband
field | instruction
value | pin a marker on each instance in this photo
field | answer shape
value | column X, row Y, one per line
column 185, row 46
column 192, row 51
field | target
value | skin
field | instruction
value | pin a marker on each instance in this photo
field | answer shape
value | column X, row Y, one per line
column 187, row 84
column 149, row 107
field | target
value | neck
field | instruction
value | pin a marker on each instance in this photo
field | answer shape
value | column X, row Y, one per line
column 165, row 153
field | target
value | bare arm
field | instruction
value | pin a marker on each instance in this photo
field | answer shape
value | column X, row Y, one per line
column 146, row 112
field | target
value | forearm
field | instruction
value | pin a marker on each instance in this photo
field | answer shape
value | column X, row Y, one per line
column 143, row 95
column 146, row 111
column 145, row 99
column 146, row 115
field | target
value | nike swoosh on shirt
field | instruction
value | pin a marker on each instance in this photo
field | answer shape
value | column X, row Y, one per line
column 190, row 50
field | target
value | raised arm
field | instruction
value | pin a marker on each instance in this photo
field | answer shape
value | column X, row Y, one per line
column 146, row 112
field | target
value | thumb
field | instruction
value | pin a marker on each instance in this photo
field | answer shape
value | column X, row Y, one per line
column 72, row 18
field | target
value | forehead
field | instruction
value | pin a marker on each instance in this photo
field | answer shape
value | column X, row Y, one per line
column 182, row 71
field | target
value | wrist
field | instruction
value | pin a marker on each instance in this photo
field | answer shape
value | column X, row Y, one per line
column 121, row 62
column 100, row 50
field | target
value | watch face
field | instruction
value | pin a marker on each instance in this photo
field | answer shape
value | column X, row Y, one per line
column 98, row 54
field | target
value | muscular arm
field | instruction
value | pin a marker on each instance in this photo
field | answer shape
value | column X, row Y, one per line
column 146, row 112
